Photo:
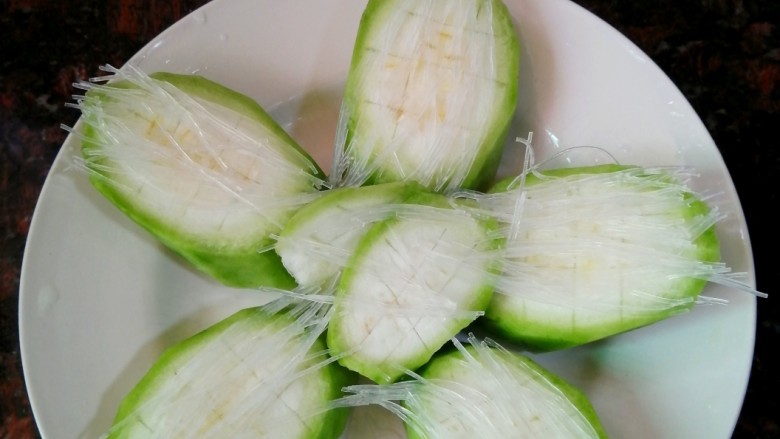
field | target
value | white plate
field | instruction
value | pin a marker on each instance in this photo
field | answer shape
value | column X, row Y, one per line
column 100, row 299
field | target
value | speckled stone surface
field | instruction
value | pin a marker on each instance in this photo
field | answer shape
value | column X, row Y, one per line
column 724, row 55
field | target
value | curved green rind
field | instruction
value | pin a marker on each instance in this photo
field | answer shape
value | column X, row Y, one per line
column 379, row 373
column 541, row 335
column 331, row 422
column 487, row 160
column 235, row 267
column 387, row 372
column 248, row 265
column 389, row 193
column 509, row 183
column 207, row 89
column 446, row 364
column 316, row 215
column 334, row 421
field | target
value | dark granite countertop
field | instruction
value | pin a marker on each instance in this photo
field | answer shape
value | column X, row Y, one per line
column 723, row 54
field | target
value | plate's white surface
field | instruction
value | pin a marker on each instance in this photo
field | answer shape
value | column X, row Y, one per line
column 100, row 299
